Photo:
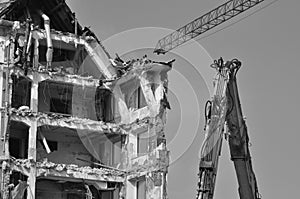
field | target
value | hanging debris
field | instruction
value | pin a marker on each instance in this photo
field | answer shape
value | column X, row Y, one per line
column 76, row 122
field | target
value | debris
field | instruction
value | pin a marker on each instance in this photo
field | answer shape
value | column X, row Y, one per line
column 88, row 193
column 79, row 149
column 23, row 108
column 164, row 101
column 45, row 142
column 18, row 191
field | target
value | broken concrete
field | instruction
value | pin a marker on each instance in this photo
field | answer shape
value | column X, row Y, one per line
column 75, row 121
column 52, row 170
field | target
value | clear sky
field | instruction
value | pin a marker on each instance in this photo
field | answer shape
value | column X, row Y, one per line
column 267, row 43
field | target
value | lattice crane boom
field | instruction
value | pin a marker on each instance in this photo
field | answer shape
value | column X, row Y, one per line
column 204, row 23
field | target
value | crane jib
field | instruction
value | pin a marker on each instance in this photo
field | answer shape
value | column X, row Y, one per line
column 203, row 24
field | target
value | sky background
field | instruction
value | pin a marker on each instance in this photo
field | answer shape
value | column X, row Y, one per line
column 267, row 43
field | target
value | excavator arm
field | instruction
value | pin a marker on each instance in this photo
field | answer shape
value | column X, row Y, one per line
column 225, row 108
column 239, row 142
column 211, row 147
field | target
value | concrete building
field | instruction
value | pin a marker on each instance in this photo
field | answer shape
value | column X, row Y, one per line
column 76, row 123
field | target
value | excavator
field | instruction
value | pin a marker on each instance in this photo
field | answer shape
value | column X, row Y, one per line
column 223, row 113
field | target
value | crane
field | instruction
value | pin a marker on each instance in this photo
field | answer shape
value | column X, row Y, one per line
column 203, row 24
column 224, row 110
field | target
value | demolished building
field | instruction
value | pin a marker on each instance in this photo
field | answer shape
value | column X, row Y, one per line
column 74, row 122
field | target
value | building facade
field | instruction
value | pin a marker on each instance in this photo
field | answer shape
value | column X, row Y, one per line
column 76, row 123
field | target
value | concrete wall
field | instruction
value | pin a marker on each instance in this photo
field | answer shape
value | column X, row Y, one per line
column 47, row 189
column 110, row 151
column 154, row 188
column 3, row 40
column 82, row 98
column 149, row 186
column 19, row 131
column 69, row 147
column 83, row 102
column 152, row 84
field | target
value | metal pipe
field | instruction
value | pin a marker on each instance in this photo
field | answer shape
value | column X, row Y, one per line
column 29, row 40
column 76, row 25
column 49, row 54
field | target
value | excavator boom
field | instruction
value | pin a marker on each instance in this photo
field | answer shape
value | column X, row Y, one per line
column 238, row 140
column 211, row 147
column 225, row 108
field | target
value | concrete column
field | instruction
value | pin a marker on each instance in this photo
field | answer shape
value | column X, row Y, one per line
column 146, row 82
column 32, row 140
column 1, row 97
column 32, row 158
column 5, row 125
column 36, row 54
column 2, row 141
column 123, row 109
column 5, row 177
column 34, row 93
column 131, row 192
column 152, row 134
